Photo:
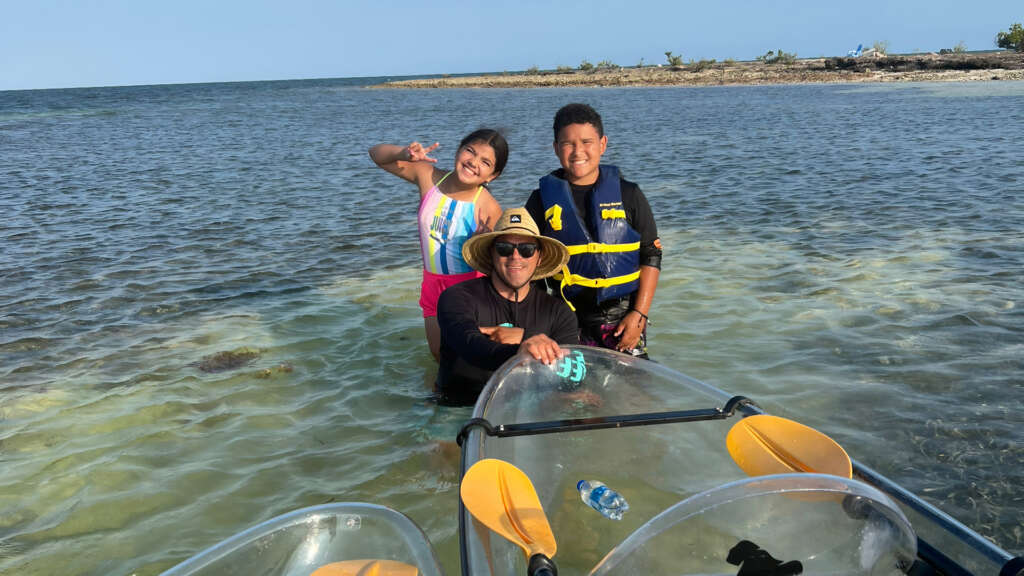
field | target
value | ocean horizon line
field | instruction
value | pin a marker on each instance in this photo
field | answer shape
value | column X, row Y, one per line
column 370, row 81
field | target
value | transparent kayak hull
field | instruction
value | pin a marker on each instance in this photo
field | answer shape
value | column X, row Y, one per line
column 338, row 539
column 658, row 438
column 815, row 523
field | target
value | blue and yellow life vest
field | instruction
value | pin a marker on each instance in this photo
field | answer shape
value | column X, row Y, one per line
column 611, row 262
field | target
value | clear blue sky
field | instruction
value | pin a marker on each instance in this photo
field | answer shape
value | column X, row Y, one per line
column 54, row 44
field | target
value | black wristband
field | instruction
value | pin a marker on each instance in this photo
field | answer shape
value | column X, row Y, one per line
column 646, row 319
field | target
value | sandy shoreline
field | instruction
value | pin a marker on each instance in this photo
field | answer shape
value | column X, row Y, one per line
column 913, row 68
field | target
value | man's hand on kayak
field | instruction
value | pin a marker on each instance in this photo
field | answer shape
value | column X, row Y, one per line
column 542, row 348
column 503, row 334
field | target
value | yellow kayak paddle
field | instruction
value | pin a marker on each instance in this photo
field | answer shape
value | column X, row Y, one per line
column 366, row 568
column 764, row 444
column 502, row 498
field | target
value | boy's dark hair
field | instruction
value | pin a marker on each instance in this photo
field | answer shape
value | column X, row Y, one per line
column 577, row 113
column 495, row 140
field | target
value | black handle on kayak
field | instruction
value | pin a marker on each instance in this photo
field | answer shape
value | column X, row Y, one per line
column 541, row 565
column 741, row 403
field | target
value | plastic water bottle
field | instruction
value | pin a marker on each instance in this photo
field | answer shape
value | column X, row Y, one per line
column 608, row 502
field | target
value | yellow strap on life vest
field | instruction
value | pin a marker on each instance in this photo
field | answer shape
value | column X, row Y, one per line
column 607, row 214
column 554, row 217
column 597, row 247
column 568, row 279
column 561, row 287
column 577, row 280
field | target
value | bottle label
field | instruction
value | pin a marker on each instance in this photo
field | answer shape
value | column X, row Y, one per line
column 596, row 493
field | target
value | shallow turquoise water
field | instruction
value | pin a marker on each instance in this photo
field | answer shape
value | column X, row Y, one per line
column 848, row 256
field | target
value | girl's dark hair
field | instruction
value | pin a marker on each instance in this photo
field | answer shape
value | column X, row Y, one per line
column 495, row 140
column 577, row 113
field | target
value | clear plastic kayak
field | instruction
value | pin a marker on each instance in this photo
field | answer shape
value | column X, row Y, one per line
column 342, row 539
column 779, row 524
column 659, row 438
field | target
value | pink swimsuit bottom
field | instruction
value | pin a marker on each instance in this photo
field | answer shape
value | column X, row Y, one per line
column 434, row 284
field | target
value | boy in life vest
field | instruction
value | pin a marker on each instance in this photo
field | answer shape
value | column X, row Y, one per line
column 607, row 224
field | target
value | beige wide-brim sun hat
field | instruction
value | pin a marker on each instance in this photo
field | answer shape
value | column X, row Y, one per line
column 477, row 250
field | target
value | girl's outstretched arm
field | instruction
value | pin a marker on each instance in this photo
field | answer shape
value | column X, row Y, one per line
column 411, row 162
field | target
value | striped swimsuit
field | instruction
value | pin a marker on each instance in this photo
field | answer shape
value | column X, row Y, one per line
column 445, row 225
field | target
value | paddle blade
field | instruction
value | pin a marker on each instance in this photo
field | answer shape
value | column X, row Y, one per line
column 502, row 498
column 766, row 444
column 366, row 568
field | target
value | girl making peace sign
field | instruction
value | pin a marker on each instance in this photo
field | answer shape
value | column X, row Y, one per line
column 454, row 205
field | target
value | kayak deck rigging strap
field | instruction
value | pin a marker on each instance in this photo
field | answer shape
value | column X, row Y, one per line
column 601, row 422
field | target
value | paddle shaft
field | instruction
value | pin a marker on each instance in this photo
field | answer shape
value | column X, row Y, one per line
column 541, row 565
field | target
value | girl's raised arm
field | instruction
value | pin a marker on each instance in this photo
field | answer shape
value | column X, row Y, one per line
column 411, row 162
column 488, row 213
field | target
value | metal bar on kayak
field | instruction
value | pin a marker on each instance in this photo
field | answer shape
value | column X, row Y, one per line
column 577, row 424
column 602, row 422
column 947, row 522
column 939, row 561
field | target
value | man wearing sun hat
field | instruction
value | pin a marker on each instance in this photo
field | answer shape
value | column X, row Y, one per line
column 486, row 321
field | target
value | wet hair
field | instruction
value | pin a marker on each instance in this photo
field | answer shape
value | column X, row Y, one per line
column 495, row 140
column 577, row 113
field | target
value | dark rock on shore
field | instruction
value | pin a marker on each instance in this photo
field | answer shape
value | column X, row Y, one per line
column 988, row 61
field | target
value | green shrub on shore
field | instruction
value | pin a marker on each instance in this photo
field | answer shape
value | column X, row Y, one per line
column 778, row 57
column 1012, row 40
column 564, row 69
column 533, row 70
column 960, row 48
column 606, row 65
column 586, row 66
column 701, row 65
column 673, row 59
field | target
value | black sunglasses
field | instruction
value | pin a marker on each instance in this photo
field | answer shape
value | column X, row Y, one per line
column 526, row 249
